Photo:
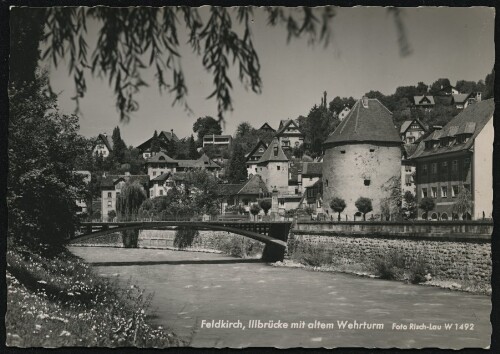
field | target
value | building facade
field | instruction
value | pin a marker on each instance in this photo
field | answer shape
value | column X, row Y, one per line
column 161, row 163
column 362, row 156
column 273, row 167
column 458, row 157
column 289, row 134
column 253, row 156
column 103, row 146
column 223, row 141
column 164, row 139
column 111, row 186
column 411, row 130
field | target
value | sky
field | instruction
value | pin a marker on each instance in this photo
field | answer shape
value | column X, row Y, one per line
column 362, row 55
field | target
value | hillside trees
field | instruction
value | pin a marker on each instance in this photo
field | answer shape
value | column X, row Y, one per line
column 205, row 126
column 119, row 147
column 155, row 143
column 193, row 153
column 129, row 201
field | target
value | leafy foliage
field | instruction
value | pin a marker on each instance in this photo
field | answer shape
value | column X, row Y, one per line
column 43, row 150
column 391, row 205
column 184, row 237
column 364, row 206
column 129, row 201
column 427, row 204
column 205, row 126
column 237, row 166
column 119, row 147
column 410, row 205
column 155, row 143
column 463, row 203
column 255, row 209
column 265, row 204
column 338, row 205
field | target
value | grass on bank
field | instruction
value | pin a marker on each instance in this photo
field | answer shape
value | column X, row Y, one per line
column 60, row 301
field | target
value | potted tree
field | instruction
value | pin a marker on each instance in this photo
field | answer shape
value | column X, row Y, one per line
column 427, row 205
column 255, row 210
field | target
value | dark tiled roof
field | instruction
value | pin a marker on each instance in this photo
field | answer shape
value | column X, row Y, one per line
column 169, row 135
column 409, row 149
column 269, row 153
column 255, row 150
column 230, row 189
column 106, row 141
column 372, row 124
column 255, row 185
column 470, row 121
column 461, row 97
column 423, row 100
column 266, row 126
column 161, row 178
column 406, row 124
column 110, row 180
column 313, row 169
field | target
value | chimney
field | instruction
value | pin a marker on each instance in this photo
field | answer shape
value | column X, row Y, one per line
column 172, row 133
column 478, row 96
column 364, row 101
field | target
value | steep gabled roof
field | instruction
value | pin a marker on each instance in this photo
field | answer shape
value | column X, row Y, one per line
column 371, row 124
column 255, row 150
column 230, row 189
column 161, row 178
column 270, row 155
column 255, row 185
column 266, row 126
column 207, row 161
column 470, row 121
column 161, row 157
column 407, row 123
column 110, row 180
column 106, row 140
column 284, row 124
column 423, row 100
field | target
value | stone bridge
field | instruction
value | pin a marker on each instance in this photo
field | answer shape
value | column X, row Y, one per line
column 274, row 234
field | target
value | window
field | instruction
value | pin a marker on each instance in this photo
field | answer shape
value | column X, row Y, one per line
column 434, row 168
column 372, row 150
column 424, row 192
column 434, row 192
column 411, row 139
column 154, row 173
column 310, row 178
column 342, row 151
column 278, row 167
column 454, row 191
column 367, row 182
column 261, row 150
column 256, row 169
column 282, row 202
column 467, row 186
column 407, row 168
column 444, row 216
column 276, row 151
column 161, row 191
column 424, row 169
column 454, row 166
column 466, row 163
column 109, row 194
column 326, row 182
column 444, row 192
column 109, row 204
column 296, row 191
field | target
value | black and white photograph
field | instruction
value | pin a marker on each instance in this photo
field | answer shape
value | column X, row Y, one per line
column 250, row 176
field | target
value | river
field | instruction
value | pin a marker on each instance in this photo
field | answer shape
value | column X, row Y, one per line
column 195, row 290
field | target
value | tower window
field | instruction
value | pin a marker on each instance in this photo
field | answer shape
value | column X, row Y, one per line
column 372, row 150
column 326, row 182
column 342, row 151
column 367, row 182
column 278, row 167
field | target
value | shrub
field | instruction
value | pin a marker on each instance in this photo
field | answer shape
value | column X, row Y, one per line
column 364, row 206
column 312, row 255
column 265, row 204
column 338, row 205
column 418, row 269
column 427, row 205
column 184, row 237
column 391, row 265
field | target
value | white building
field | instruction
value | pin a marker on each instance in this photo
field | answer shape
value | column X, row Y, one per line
column 103, row 146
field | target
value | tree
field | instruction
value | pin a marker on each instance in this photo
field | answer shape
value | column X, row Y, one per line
column 155, row 144
column 203, row 193
column 243, row 129
column 171, row 148
column 422, row 88
column 464, row 86
column 255, row 209
column 364, row 206
column 111, row 215
column 129, row 201
column 193, row 153
column 410, row 205
column 119, row 146
column 439, row 85
column 489, row 83
column 463, row 203
column 205, row 126
column 265, row 204
column 393, row 202
column 237, row 166
column 338, row 205
column 43, row 150
column 427, row 204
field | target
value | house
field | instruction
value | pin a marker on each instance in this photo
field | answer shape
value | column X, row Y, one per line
column 111, row 186
column 253, row 156
column 343, row 113
column 103, row 146
column 313, row 197
column 294, row 175
column 411, row 130
column 224, row 141
column 448, row 90
column 160, row 185
column 81, row 204
column 161, row 163
column 267, row 128
column 462, row 100
column 455, row 158
column 289, row 134
column 424, row 101
column 164, row 138
column 273, row 167
column 243, row 194
column 361, row 157
column 408, row 170
column 311, row 173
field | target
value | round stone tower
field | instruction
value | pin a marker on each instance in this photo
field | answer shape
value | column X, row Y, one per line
column 362, row 157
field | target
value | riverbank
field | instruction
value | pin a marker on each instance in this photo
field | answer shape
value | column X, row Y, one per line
column 60, row 301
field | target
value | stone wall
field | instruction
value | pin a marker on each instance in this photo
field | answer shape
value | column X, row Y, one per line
column 447, row 260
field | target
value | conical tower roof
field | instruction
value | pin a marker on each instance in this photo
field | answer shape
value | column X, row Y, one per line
column 273, row 153
column 368, row 121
